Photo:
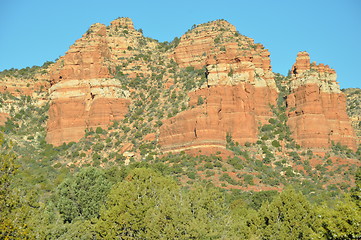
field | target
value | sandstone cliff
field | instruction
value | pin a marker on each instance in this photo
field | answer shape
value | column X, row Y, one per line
column 87, row 92
column 84, row 94
column 317, row 107
column 235, row 97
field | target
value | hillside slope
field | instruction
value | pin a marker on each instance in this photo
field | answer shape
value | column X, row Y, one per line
column 117, row 97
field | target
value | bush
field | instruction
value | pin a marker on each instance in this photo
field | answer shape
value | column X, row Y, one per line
column 217, row 164
column 227, row 178
column 191, row 175
column 272, row 121
column 275, row 143
column 200, row 100
column 57, row 165
column 267, row 127
column 98, row 147
column 99, row 130
column 96, row 157
column 209, row 173
column 236, row 163
column 208, row 165
column 248, row 179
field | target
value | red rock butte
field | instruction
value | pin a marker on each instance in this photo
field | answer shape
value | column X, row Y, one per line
column 317, row 107
column 83, row 93
column 239, row 89
column 237, row 94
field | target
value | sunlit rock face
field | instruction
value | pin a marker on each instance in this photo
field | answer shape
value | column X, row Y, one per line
column 236, row 97
column 83, row 93
column 317, row 107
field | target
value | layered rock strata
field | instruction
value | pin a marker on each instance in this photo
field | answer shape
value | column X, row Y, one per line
column 19, row 87
column 317, row 107
column 80, row 104
column 235, row 98
column 235, row 110
column 84, row 94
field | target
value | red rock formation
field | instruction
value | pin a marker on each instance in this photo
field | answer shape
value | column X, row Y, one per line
column 32, row 82
column 18, row 87
column 80, row 104
column 317, row 107
column 69, row 119
column 239, row 89
column 203, row 44
column 235, row 110
column 84, row 95
column 35, row 87
column 85, row 59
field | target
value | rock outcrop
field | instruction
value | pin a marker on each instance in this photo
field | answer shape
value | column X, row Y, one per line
column 84, row 94
column 235, row 98
column 80, row 104
column 235, row 110
column 19, row 87
column 317, row 107
column 86, row 59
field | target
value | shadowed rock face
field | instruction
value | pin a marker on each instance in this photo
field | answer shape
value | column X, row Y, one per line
column 239, row 89
column 317, row 107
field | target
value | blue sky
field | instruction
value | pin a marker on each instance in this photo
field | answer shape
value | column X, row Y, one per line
column 36, row 31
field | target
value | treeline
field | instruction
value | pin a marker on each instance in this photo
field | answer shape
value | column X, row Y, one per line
column 139, row 202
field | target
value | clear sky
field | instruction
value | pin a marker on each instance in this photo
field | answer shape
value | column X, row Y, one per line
column 35, row 31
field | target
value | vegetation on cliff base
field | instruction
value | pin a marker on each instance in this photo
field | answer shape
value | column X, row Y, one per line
column 141, row 201
column 171, row 196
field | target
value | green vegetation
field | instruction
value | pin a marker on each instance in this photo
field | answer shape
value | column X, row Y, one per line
column 139, row 201
column 66, row 193
column 25, row 73
column 268, row 189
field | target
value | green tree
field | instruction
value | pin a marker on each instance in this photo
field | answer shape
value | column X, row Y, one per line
column 10, row 227
column 147, row 205
column 342, row 222
column 200, row 100
column 239, row 224
column 207, row 213
column 132, row 201
column 82, row 196
column 356, row 191
column 83, row 230
column 288, row 216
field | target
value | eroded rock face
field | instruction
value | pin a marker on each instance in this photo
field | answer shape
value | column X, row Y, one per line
column 317, row 107
column 80, row 104
column 236, row 96
column 219, row 42
column 86, row 58
column 234, row 110
column 84, row 94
